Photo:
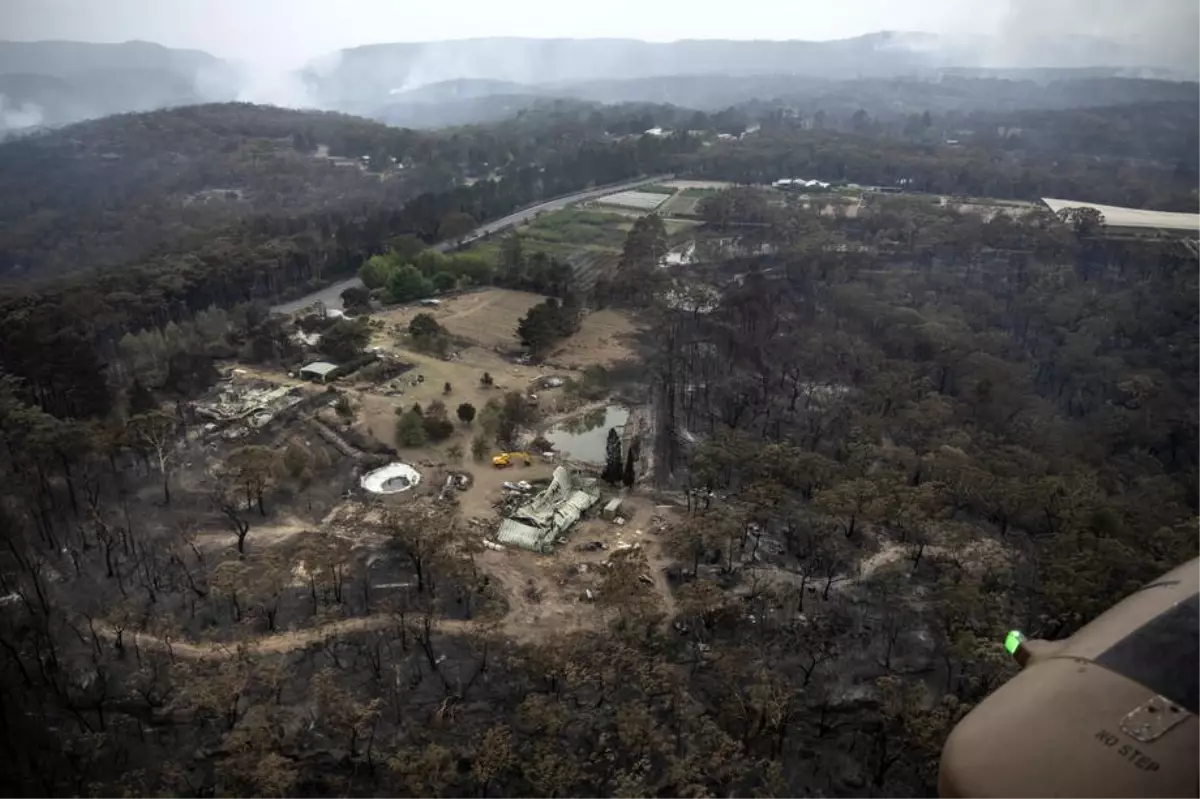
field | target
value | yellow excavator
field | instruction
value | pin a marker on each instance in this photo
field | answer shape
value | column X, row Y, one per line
column 1110, row 711
column 505, row 459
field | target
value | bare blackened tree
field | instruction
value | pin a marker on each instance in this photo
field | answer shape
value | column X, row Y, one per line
column 156, row 431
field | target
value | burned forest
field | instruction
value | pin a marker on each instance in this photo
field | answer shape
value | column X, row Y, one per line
column 705, row 480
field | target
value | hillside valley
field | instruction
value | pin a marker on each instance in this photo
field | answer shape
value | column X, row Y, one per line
column 599, row 417
column 471, row 81
column 54, row 83
column 123, row 187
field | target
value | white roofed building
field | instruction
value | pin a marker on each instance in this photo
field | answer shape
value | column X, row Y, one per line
column 1134, row 221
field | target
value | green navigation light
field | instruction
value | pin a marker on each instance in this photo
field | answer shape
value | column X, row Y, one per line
column 1012, row 641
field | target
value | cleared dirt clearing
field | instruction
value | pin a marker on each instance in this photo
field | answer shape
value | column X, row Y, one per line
column 605, row 338
column 488, row 317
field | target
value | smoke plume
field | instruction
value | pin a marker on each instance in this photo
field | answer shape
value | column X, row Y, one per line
column 15, row 116
column 1081, row 33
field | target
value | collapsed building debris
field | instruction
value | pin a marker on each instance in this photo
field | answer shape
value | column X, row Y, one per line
column 536, row 524
column 254, row 406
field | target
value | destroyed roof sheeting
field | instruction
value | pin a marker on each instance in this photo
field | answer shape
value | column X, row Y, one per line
column 551, row 513
column 232, row 405
column 518, row 534
column 542, row 508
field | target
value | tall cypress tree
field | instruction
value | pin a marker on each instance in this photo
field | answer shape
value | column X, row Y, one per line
column 612, row 464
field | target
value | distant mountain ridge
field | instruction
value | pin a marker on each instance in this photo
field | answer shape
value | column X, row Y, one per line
column 432, row 84
column 400, row 82
column 467, row 101
column 52, row 83
column 66, row 58
column 361, row 74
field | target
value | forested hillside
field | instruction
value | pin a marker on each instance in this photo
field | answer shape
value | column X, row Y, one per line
column 1043, row 163
column 129, row 188
column 874, row 441
column 885, row 440
column 945, row 94
column 116, row 189
column 135, row 188
column 1162, row 133
column 58, row 336
column 231, row 203
column 52, row 83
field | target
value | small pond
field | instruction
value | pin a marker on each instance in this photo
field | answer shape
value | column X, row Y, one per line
column 585, row 437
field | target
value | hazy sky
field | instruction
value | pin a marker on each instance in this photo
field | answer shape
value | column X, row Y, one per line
column 276, row 31
column 284, row 33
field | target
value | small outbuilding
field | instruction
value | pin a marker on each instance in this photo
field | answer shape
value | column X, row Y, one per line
column 318, row 370
column 612, row 509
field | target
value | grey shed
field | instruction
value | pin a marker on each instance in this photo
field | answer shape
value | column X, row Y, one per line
column 318, row 370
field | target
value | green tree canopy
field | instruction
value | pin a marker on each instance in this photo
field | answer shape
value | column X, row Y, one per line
column 547, row 323
column 410, row 429
column 345, row 339
column 455, row 225
column 377, row 271
column 407, row 284
column 423, row 325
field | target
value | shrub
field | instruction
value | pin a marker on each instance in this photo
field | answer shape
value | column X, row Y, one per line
column 296, row 459
column 410, row 430
column 438, row 426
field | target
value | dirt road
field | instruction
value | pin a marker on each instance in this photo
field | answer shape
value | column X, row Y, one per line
column 274, row 644
column 559, row 581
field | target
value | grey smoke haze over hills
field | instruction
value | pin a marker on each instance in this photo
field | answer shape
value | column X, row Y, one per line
column 368, row 75
column 1151, row 33
column 55, row 82
column 302, row 53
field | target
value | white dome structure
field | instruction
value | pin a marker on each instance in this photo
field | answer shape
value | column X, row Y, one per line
column 391, row 479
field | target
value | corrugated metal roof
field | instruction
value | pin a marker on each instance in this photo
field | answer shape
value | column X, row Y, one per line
column 550, row 513
column 518, row 534
column 321, row 368
column 541, row 508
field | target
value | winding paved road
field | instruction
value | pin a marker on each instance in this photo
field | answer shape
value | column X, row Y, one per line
column 332, row 295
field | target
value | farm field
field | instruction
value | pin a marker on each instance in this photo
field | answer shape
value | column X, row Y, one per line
column 714, row 185
column 637, row 200
column 682, row 204
column 564, row 233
